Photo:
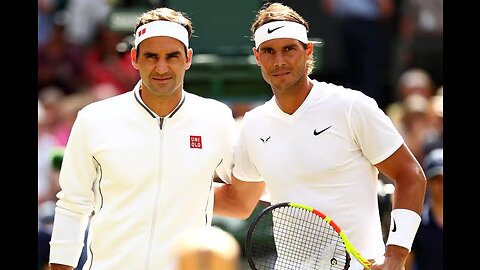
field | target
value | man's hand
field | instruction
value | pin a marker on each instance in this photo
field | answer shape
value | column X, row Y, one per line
column 56, row 266
column 395, row 257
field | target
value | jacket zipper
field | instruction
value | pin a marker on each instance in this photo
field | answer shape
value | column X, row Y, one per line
column 161, row 121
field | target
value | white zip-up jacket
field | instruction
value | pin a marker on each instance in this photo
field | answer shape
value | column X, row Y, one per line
column 144, row 179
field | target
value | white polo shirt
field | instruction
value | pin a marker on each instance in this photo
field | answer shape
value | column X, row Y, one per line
column 322, row 156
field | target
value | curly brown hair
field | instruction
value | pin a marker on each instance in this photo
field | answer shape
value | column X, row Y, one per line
column 271, row 12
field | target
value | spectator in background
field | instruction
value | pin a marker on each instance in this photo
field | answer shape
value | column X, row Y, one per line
column 50, row 98
column 105, row 64
column 49, row 117
column 435, row 139
column 411, row 81
column 46, row 142
column 46, row 212
column 415, row 123
column 46, row 206
column 103, row 91
column 59, row 63
column 420, row 40
column 70, row 105
column 84, row 18
column 361, row 26
column 427, row 247
column 45, row 13
column 412, row 113
column 56, row 158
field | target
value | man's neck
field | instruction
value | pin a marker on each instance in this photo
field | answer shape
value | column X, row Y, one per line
column 163, row 105
column 290, row 100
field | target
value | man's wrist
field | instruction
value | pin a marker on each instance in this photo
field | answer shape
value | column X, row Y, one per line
column 403, row 227
column 395, row 256
column 396, row 251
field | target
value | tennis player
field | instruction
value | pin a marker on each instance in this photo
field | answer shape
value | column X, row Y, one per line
column 142, row 163
column 322, row 145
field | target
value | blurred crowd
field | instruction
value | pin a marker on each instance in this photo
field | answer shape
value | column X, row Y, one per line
column 81, row 60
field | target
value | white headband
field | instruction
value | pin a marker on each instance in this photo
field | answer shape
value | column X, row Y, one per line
column 161, row 28
column 280, row 29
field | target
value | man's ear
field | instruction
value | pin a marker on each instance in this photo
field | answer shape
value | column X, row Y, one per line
column 133, row 57
column 310, row 48
column 189, row 57
column 255, row 53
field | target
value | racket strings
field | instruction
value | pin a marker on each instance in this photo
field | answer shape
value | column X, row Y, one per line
column 295, row 238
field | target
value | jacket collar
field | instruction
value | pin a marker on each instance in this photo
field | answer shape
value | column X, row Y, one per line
column 136, row 94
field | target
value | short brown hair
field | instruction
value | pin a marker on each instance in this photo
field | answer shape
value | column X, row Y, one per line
column 165, row 14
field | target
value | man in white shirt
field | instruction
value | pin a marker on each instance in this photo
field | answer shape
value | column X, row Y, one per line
column 321, row 145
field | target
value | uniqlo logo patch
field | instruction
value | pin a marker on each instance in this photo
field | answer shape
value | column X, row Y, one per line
column 141, row 32
column 196, row 142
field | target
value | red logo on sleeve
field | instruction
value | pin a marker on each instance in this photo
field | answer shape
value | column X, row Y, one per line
column 196, row 142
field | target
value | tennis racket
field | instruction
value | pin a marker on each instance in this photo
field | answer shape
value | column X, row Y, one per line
column 294, row 236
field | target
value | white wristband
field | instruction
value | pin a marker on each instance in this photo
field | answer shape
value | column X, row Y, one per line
column 403, row 227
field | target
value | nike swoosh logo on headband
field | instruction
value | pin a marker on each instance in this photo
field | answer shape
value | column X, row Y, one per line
column 270, row 31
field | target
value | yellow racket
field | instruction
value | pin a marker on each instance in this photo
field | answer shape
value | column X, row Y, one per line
column 295, row 236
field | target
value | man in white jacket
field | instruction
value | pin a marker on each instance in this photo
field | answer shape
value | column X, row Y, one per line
column 139, row 167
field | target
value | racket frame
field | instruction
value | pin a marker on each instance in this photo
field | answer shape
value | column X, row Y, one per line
column 350, row 248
